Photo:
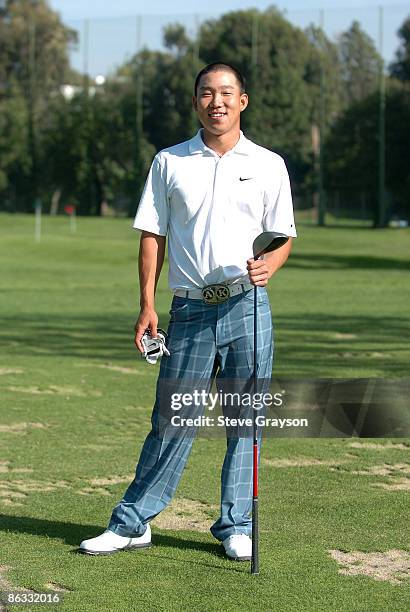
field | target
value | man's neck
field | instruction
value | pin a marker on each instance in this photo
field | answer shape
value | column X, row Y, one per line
column 223, row 143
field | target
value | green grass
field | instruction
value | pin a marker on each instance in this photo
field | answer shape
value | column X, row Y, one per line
column 68, row 305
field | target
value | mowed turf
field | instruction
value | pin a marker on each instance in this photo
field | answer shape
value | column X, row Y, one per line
column 75, row 407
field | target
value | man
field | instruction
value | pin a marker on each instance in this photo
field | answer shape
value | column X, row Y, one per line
column 211, row 195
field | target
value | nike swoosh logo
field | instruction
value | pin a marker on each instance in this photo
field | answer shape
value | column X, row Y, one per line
column 246, row 179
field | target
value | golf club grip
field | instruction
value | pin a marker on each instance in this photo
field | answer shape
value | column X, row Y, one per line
column 255, row 538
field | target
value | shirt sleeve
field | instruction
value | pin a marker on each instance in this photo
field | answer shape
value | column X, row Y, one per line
column 153, row 210
column 278, row 214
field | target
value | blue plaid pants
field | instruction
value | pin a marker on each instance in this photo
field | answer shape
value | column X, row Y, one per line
column 205, row 341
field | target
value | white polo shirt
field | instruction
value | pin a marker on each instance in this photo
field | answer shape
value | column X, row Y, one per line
column 212, row 208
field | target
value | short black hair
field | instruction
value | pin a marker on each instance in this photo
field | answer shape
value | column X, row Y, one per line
column 215, row 67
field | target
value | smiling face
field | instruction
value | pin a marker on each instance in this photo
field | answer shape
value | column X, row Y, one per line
column 219, row 102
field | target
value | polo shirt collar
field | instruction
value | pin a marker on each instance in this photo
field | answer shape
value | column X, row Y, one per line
column 197, row 145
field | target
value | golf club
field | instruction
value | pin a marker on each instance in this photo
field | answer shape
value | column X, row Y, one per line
column 264, row 243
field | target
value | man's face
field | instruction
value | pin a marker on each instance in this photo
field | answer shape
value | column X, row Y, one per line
column 219, row 102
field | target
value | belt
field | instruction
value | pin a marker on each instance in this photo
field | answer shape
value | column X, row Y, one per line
column 214, row 294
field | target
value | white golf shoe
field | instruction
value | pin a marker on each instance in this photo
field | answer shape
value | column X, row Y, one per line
column 109, row 543
column 238, row 547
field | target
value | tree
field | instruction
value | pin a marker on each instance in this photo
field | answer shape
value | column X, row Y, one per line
column 360, row 64
column 324, row 75
column 351, row 159
column 33, row 64
column 282, row 66
column 175, row 38
column 15, row 160
column 400, row 69
column 33, row 48
column 120, row 153
column 98, row 148
column 167, row 80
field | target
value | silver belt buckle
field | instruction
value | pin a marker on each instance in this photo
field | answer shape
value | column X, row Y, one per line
column 215, row 294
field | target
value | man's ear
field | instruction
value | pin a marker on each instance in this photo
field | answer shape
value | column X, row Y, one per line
column 195, row 103
column 244, row 101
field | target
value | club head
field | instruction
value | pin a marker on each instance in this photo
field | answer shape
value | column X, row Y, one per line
column 267, row 242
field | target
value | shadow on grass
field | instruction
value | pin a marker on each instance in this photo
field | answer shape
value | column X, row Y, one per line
column 73, row 534
column 109, row 337
column 365, row 343
column 105, row 337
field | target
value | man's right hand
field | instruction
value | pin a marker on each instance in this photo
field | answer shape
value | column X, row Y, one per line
column 148, row 319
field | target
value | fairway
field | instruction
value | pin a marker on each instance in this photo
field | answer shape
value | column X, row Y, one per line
column 76, row 400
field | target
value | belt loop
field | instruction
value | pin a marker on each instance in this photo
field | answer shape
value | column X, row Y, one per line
column 243, row 287
column 186, row 294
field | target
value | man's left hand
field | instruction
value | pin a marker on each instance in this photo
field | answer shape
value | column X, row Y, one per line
column 259, row 272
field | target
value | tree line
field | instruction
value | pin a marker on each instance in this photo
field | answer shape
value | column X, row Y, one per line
column 313, row 100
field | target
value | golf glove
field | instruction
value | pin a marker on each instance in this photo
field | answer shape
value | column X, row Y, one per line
column 154, row 348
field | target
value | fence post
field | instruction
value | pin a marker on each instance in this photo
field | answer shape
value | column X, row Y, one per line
column 322, row 205
column 381, row 209
column 139, row 116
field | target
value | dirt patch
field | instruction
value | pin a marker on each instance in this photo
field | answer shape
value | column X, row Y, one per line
column 9, row 497
column 39, row 485
column 376, row 446
column 55, row 390
column 21, row 427
column 4, row 371
column 342, row 336
column 384, row 470
column 112, row 480
column 300, row 462
column 13, row 492
column 186, row 515
column 395, row 484
column 391, row 566
column 96, row 486
column 94, row 491
column 396, row 475
column 6, row 469
column 6, row 585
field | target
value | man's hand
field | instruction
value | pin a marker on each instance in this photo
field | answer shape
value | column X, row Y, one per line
column 148, row 319
column 261, row 270
column 258, row 271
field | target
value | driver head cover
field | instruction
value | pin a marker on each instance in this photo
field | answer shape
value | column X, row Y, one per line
column 267, row 242
column 154, row 348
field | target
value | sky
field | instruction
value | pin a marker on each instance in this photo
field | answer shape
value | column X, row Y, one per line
column 113, row 27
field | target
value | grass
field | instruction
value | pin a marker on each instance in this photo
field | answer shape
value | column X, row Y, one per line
column 76, row 404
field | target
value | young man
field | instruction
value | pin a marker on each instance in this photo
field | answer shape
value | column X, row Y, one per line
column 212, row 196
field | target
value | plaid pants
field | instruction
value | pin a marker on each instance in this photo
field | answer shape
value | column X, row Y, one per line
column 205, row 341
